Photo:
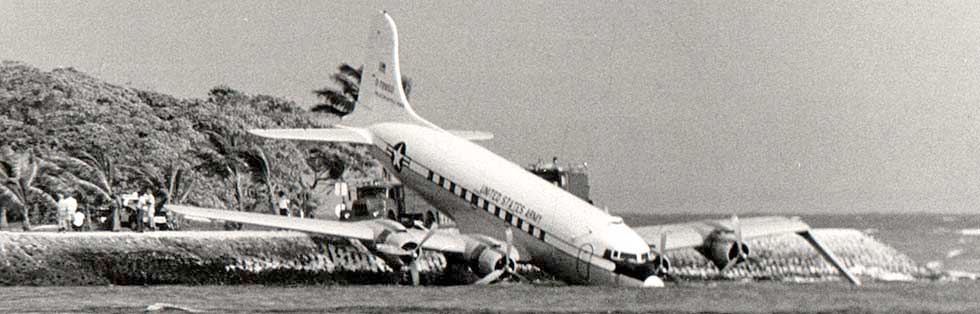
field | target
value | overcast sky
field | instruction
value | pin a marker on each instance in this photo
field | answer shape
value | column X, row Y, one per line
column 683, row 106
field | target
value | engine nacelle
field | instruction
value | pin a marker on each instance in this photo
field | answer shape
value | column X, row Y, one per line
column 486, row 255
column 488, row 261
column 396, row 240
column 721, row 250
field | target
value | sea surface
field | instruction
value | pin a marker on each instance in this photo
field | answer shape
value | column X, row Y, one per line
column 728, row 297
column 945, row 242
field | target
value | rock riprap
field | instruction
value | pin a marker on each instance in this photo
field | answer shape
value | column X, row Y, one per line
column 280, row 257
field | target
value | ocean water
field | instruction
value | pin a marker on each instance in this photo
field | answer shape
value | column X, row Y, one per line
column 730, row 297
column 945, row 242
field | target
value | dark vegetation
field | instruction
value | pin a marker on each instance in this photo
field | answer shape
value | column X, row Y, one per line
column 65, row 131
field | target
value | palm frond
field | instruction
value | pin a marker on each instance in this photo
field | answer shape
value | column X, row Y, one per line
column 89, row 185
column 44, row 196
column 350, row 71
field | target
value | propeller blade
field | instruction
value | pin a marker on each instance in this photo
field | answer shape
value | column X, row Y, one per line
column 728, row 266
column 419, row 225
column 428, row 235
column 519, row 276
column 738, row 236
column 510, row 246
column 490, row 277
column 414, row 269
column 663, row 244
column 830, row 257
column 417, row 253
column 661, row 258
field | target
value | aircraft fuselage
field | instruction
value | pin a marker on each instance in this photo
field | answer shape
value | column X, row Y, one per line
column 486, row 194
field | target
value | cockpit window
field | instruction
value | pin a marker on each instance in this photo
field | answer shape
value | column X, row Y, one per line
column 628, row 257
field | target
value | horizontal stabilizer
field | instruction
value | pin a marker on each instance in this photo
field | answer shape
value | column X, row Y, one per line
column 472, row 135
column 343, row 135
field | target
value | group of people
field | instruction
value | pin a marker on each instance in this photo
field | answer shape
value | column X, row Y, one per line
column 145, row 211
column 286, row 209
column 72, row 219
column 144, row 206
column 69, row 217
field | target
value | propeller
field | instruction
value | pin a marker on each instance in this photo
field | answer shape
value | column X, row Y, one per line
column 508, row 249
column 739, row 246
column 662, row 263
column 414, row 265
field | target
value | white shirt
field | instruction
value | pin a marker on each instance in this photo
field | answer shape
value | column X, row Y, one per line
column 283, row 203
column 71, row 205
column 147, row 202
column 67, row 207
column 77, row 219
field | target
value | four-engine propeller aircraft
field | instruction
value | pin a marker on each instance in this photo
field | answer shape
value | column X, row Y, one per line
column 491, row 198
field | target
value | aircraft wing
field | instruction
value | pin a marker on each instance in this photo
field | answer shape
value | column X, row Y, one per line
column 353, row 230
column 367, row 230
column 695, row 234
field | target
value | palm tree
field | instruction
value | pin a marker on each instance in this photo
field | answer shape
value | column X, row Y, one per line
column 173, row 181
column 4, row 202
column 99, row 173
column 341, row 101
column 326, row 165
column 234, row 159
column 19, row 177
column 261, row 169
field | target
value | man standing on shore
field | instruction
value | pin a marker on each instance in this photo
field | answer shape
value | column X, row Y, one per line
column 66, row 211
column 283, row 204
column 71, row 206
column 62, row 213
column 146, row 204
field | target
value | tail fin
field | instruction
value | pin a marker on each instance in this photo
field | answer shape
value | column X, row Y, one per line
column 381, row 97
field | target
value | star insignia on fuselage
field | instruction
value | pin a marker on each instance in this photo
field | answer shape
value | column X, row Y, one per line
column 398, row 158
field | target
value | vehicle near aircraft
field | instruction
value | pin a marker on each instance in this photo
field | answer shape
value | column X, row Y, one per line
column 573, row 179
column 491, row 198
column 391, row 200
column 367, row 201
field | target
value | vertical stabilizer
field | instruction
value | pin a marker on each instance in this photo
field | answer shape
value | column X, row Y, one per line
column 381, row 97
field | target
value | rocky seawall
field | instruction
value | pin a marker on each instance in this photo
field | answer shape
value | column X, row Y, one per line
column 790, row 258
column 271, row 257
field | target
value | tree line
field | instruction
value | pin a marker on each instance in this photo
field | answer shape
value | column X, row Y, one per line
column 64, row 131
